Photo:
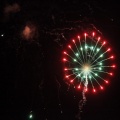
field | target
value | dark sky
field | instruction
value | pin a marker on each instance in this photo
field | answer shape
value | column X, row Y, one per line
column 31, row 77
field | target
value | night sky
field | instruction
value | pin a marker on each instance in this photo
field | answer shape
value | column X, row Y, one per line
column 33, row 35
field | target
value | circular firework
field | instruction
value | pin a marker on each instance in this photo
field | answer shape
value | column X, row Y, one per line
column 88, row 62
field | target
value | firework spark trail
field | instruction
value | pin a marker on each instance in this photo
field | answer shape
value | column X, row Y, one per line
column 59, row 86
column 85, row 89
column 83, row 101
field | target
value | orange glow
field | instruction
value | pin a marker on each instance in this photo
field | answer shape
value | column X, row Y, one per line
column 29, row 31
column 26, row 32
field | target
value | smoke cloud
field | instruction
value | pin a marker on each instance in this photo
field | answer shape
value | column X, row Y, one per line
column 29, row 32
column 11, row 9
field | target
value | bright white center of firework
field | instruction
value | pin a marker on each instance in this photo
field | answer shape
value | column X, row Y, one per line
column 86, row 69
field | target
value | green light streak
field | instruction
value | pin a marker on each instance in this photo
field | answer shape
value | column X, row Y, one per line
column 81, row 49
column 75, row 55
column 101, row 71
column 78, row 52
column 95, row 79
column 92, row 51
column 91, row 83
column 98, row 57
column 73, row 59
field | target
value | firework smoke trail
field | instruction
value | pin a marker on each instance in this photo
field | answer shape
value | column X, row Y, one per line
column 83, row 101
